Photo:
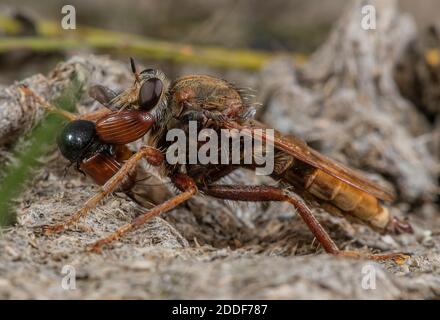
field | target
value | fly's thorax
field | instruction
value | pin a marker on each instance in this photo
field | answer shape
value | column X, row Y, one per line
column 214, row 97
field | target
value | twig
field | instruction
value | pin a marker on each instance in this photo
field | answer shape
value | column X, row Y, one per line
column 51, row 37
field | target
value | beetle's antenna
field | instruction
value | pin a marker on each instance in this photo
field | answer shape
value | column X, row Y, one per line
column 66, row 170
column 133, row 69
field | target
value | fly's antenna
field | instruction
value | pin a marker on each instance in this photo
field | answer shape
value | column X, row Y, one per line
column 133, row 69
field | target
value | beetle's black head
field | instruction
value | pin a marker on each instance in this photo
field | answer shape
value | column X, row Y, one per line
column 77, row 140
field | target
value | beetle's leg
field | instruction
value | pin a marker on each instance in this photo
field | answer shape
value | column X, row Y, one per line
column 152, row 155
column 183, row 182
column 269, row 193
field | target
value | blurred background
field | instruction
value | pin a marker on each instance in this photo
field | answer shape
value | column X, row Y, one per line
column 298, row 26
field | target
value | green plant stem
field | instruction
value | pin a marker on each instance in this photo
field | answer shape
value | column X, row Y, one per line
column 38, row 143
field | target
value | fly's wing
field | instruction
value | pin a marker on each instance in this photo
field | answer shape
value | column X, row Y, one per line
column 299, row 149
column 102, row 94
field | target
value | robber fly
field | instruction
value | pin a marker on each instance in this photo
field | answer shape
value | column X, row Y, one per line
column 153, row 106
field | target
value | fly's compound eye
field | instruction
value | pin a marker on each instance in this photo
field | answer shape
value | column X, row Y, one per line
column 150, row 93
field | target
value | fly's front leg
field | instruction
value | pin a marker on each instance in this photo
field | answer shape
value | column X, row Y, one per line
column 183, row 182
column 152, row 155
column 93, row 116
column 205, row 118
column 268, row 193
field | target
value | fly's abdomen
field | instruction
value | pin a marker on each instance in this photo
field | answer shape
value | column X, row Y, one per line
column 348, row 199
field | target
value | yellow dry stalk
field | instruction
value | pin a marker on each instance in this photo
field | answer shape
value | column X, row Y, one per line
column 51, row 37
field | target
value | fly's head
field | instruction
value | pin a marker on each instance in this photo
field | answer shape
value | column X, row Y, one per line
column 148, row 92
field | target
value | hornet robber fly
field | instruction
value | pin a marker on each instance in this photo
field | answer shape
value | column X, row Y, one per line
column 153, row 105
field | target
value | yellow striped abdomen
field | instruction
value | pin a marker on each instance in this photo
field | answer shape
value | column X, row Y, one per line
column 348, row 199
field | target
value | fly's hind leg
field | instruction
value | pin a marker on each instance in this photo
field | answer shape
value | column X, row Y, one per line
column 152, row 155
column 269, row 193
